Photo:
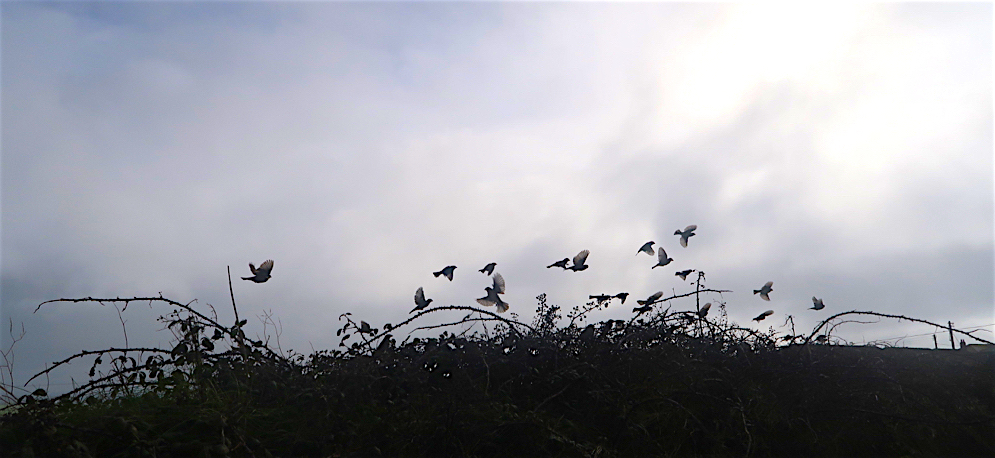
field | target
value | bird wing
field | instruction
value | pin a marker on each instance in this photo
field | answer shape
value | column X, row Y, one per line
column 690, row 228
column 265, row 267
column 419, row 296
column 581, row 257
column 764, row 296
column 654, row 297
column 252, row 268
column 684, row 240
column 485, row 302
column 646, row 248
column 768, row 286
column 498, row 283
column 502, row 306
column 662, row 255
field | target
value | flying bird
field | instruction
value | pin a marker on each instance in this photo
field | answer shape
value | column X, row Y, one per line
column 488, row 269
column 579, row 261
column 765, row 290
column 704, row 309
column 601, row 297
column 262, row 273
column 685, row 234
column 761, row 316
column 646, row 248
column 622, row 296
column 662, row 258
column 364, row 328
column 492, row 297
column 652, row 299
column 642, row 309
column 562, row 263
column 684, row 274
column 447, row 271
column 420, row 301
column 817, row 304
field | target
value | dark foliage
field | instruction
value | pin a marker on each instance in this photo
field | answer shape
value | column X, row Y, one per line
column 666, row 384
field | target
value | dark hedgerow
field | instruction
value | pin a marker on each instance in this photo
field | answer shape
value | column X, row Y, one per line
column 664, row 383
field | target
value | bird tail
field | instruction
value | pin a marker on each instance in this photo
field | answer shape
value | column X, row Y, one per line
column 247, row 278
column 437, row 273
column 756, row 291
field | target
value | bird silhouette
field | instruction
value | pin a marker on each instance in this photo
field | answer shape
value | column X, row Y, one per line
column 704, row 309
column 765, row 290
column 587, row 334
column 601, row 297
column 561, row 263
column 646, row 248
column 488, row 269
column 662, row 258
column 684, row 274
column 622, row 296
column 579, row 261
column 492, row 298
column 262, row 273
column 447, row 271
column 420, row 301
column 364, row 328
column 817, row 304
column 652, row 299
column 761, row 316
column 685, row 234
column 642, row 309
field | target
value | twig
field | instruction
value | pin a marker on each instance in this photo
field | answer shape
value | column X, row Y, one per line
column 232, row 291
column 885, row 315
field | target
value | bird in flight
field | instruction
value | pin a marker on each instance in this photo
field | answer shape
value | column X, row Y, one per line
column 364, row 328
column 262, row 273
column 488, row 269
column 652, row 299
column 602, row 297
column 646, row 248
column 561, row 263
column 765, row 290
column 684, row 274
column 622, row 296
column 492, row 297
column 447, row 271
column 817, row 304
column 420, row 301
column 685, row 234
column 579, row 261
column 761, row 316
column 704, row 309
column 662, row 258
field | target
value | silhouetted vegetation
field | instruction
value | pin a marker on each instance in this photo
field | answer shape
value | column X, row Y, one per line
column 665, row 383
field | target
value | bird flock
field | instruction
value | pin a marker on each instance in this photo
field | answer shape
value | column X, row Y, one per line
column 492, row 298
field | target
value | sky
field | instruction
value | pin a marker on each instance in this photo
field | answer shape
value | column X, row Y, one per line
column 840, row 151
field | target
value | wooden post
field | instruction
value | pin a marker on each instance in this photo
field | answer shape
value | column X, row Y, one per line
column 936, row 346
column 950, row 328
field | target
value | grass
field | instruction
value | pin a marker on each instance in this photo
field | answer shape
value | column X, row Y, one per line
column 665, row 384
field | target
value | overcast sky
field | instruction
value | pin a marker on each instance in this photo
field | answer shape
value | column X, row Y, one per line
column 844, row 152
